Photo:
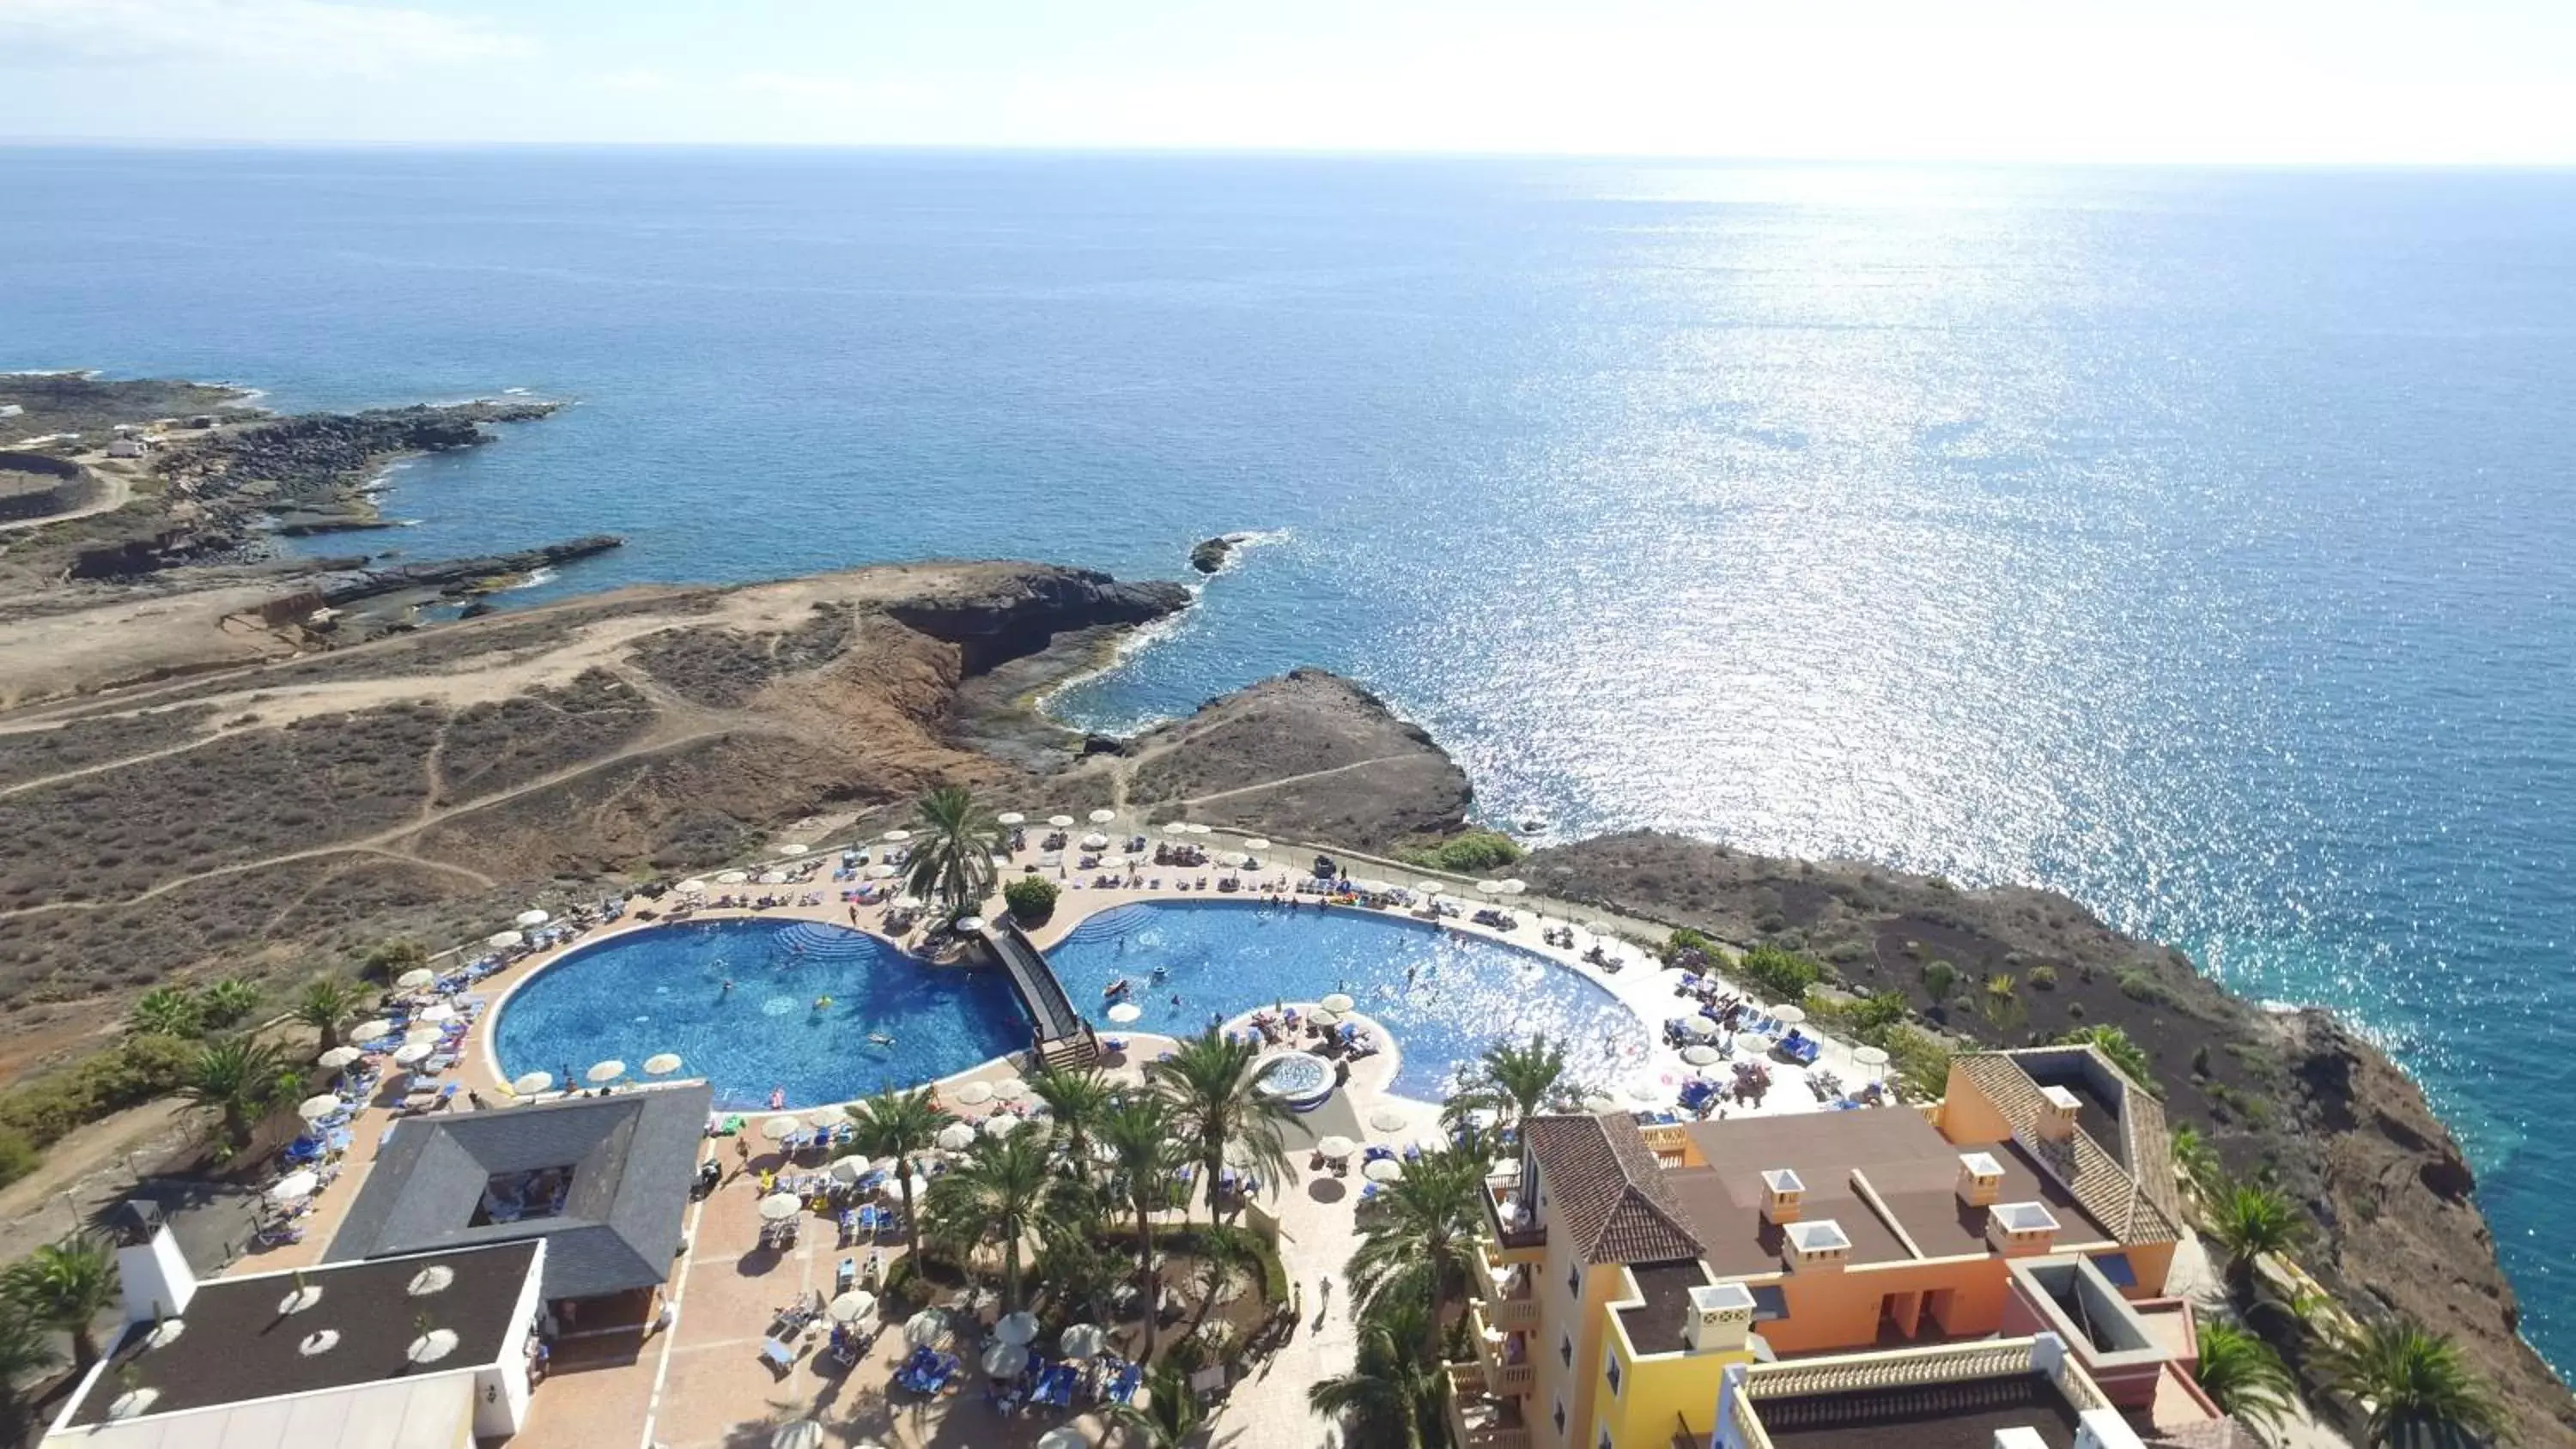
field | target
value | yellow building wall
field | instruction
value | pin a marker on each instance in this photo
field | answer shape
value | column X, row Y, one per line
column 1585, row 1315
column 1966, row 1115
column 1658, row 1395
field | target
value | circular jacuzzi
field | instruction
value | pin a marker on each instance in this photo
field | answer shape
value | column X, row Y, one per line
column 1303, row 1080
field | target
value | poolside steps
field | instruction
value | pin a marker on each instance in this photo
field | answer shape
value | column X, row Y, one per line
column 816, row 941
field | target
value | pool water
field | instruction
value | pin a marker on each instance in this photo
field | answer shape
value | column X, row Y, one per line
column 662, row 990
column 1446, row 996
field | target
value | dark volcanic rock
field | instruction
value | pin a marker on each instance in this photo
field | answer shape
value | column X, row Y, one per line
column 1019, row 617
column 1210, row 554
column 444, row 575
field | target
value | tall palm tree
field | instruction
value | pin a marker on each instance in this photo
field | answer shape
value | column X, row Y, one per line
column 1420, row 1245
column 1513, row 1082
column 1217, row 1100
column 63, row 1286
column 238, row 1078
column 2412, row 1387
column 1076, row 1098
column 1138, row 1132
column 1169, row 1418
column 227, row 1001
column 326, row 1006
column 2198, row 1160
column 952, row 851
column 166, row 1011
column 2247, row 1220
column 994, row 1195
column 2244, row 1374
column 898, row 1125
column 25, row 1351
column 1393, row 1393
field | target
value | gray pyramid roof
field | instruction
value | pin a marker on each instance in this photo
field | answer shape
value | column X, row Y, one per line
column 632, row 1157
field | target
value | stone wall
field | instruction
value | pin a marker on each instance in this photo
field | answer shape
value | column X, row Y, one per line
column 37, row 485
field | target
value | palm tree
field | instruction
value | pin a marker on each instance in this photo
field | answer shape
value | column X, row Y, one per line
column 1075, row 1100
column 166, row 1011
column 1216, row 1096
column 1393, row 1393
column 2244, row 1374
column 25, row 1350
column 899, row 1125
column 1070, row 1259
column 1513, row 1082
column 1170, row 1417
column 2412, row 1387
column 1137, row 1130
column 952, row 854
column 239, row 1078
column 63, row 1286
column 995, row 1195
column 2247, row 1220
column 227, row 1001
column 2114, row 1043
column 2197, row 1159
column 326, row 1006
column 1421, row 1243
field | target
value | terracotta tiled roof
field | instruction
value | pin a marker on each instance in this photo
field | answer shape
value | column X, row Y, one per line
column 1600, row 1171
column 2135, row 1211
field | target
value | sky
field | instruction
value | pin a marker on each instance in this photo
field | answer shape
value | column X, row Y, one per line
column 2242, row 82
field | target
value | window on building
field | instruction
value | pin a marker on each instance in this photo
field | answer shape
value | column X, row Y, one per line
column 1610, row 1367
column 1560, row 1418
column 1574, row 1280
column 1769, row 1303
column 1565, row 1349
column 1605, row 1437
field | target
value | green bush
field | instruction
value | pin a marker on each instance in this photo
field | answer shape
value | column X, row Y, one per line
column 1785, row 975
column 130, row 1073
column 18, row 1156
column 389, row 959
column 1921, row 1063
column 1031, row 898
column 1940, row 978
column 2043, row 978
column 1467, row 852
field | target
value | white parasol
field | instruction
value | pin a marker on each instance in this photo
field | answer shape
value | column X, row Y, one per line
column 794, row 848
column 1001, row 1125
column 1020, row 1328
column 312, row 1108
column 1335, row 1148
column 802, row 1434
column 692, row 888
column 1383, row 1169
column 416, row 979
column 733, row 877
column 1095, row 841
column 338, row 1057
column 852, row 1306
column 1060, row 822
column 1011, row 1089
column 1700, row 1055
column 778, row 1207
column 602, row 1073
column 956, row 1136
column 295, row 1186
column 661, row 1064
column 1125, row 1012
column 897, row 837
column 1065, row 1436
column 1489, row 887
column 1010, row 817
column 1321, row 1017
column 1339, row 1001
column 848, row 1170
column 1198, row 829
column 432, row 1346
column 1789, row 1015
column 1597, row 1104
column 1256, row 843
column 1387, row 1119
column 1083, row 1340
column 780, row 1127
column 969, row 925
column 412, row 1053
column 1513, row 885
column 1648, row 1091
column 499, row 939
column 925, row 1328
column 531, row 917
column 972, row 1094
column 1431, row 887
column 1176, row 830
column 1103, row 817
column 1005, row 1360
column 880, row 871
column 436, row 1011
column 533, row 1083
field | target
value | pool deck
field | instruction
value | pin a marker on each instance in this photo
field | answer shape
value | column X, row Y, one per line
column 698, row 1384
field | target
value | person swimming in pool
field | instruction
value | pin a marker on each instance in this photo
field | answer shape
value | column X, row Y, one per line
column 822, row 1003
column 881, row 1038
column 727, row 988
column 1162, row 971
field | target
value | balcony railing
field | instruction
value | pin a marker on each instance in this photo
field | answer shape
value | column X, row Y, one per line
column 1503, row 1374
column 1900, row 1368
column 1516, row 1314
column 1477, row 1420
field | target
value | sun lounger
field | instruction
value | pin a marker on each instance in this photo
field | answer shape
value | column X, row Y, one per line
column 781, row 1357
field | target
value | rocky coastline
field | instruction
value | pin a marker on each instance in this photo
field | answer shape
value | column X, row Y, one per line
column 268, row 799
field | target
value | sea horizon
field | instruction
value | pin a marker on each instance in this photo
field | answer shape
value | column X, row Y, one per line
column 2189, row 539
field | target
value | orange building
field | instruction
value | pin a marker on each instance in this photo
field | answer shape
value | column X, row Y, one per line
column 1632, row 1262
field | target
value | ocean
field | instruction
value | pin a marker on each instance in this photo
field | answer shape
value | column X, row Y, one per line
column 2200, row 543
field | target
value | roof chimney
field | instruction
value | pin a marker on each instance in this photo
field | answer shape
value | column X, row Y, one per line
column 1981, row 1179
column 2020, row 1436
column 1721, row 1317
column 1782, row 1191
column 2057, row 1109
column 2020, row 1229
column 1817, row 1247
column 2105, row 1429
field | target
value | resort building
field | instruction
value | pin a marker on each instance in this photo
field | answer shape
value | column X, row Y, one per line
column 425, row 1351
column 603, row 1181
column 1635, row 1263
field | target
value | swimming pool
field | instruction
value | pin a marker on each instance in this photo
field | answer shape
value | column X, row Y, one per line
column 1445, row 995
column 662, row 990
